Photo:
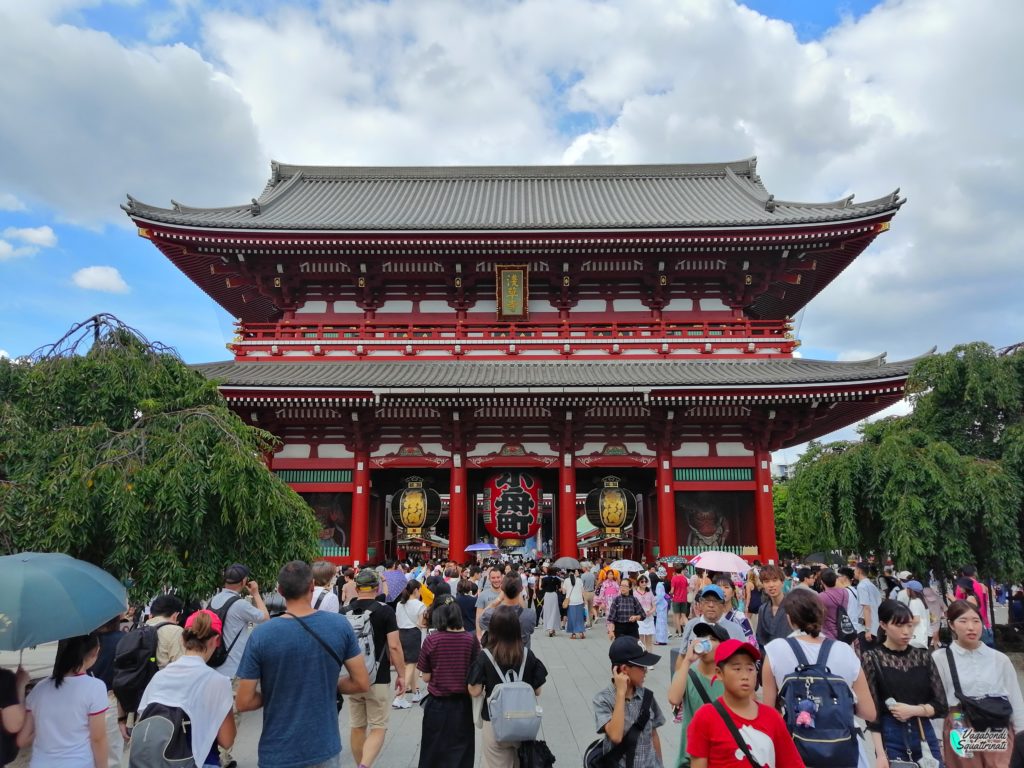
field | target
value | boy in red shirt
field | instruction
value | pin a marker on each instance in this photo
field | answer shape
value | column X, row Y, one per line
column 766, row 742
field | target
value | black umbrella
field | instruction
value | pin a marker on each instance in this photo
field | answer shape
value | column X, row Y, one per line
column 823, row 558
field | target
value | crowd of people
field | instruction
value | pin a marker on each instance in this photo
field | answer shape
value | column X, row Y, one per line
column 775, row 667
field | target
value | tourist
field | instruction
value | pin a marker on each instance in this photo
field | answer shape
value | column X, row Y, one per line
column 195, row 688
column 805, row 578
column 845, row 580
column 447, row 736
column 868, row 599
column 709, row 741
column 164, row 614
column 589, row 588
column 979, row 591
column 550, row 586
column 734, row 610
column 646, row 598
column 806, row 615
column 711, row 607
column 348, row 586
column 626, row 701
column 65, row 714
column 411, row 615
column 912, row 596
column 661, row 606
column 771, row 619
column 576, row 611
column 296, row 660
column 466, row 598
column 607, row 590
column 504, row 653
column 511, row 595
column 324, row 598
column 489, row 592
column 110, row 635
column 624, row 613
column 833, row 599
column 981, row 671
column 680, row 600
column 906, row 688
column 12, row 711
column 694, row 682
column 753, row 595
column 370, row 712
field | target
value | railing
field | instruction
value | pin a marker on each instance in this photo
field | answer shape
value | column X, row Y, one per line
column 460, row 337
column 742, row 551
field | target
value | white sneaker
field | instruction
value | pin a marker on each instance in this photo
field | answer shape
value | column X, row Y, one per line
column 400, row 703
column 418, row 696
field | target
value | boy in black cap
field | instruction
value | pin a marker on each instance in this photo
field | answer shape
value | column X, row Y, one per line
column 626, row 712
column 695, row 683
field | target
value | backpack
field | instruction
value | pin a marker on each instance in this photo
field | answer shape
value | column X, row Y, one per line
column 162, row 738
column 512, row 705
column 845, row 631
column 818, row 709
column 221, row 652
column 135, row 665
column 359, row 619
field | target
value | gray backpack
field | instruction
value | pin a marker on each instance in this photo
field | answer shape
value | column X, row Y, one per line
column 512, row 705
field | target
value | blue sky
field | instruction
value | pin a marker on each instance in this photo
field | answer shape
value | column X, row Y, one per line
column 190, row 100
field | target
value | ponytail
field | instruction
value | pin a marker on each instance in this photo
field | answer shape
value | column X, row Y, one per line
column 71, row 655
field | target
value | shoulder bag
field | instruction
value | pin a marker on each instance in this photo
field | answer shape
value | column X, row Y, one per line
column 340, row 698
column 720, row 708
column 595, row 755
column 983, row 713
column 699, row 685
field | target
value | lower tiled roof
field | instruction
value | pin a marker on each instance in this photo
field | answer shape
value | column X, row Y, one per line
column 469, row 374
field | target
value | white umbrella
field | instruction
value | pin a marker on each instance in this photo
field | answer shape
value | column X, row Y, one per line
column 626, row 566
column 720, row 562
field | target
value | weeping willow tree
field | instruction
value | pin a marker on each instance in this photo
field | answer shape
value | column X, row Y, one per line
column 114, row 451
column 939, row 488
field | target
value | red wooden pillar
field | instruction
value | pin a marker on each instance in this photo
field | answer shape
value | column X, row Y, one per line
column 667, row 541
column 458, row 517
column 377, row 526
column 566, row 539
column 360, row 541
column 764, row 509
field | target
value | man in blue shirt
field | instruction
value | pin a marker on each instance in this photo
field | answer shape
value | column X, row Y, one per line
column 297, row 659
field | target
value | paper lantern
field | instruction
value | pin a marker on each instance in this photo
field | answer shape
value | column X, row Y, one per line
column 611, row 508
column 415, row 508
column 512, row 505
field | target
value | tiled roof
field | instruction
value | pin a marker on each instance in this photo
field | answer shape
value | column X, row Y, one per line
column 599, row 197
column 468, row 375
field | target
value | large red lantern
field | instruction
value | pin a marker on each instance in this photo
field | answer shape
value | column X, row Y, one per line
column 512, row 500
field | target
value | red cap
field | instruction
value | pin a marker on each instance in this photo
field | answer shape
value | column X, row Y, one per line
column 731, row 647
column 215, row 622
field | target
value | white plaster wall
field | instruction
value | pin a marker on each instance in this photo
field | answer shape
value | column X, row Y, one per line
column 293, row 451
column 694, row 449
column 713, row 305
column 334, row 451
column 678, row 305
column 312, row 308
column 345, row 307
column 403, row 306
column 733, row 449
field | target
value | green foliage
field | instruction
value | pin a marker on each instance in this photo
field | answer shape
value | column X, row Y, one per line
column 939, row 488
column 125, row 457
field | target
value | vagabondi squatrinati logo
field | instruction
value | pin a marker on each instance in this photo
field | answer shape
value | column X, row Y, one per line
column 968, row 741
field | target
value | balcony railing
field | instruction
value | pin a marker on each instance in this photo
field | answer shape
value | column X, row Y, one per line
column 469, row 336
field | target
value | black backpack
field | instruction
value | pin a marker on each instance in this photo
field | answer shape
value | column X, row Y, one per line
column 220, row 653
column 162, row 738
column 135, row 665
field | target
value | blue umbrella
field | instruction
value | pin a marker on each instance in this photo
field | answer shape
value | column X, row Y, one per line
column 51, row 596
column 483, row 546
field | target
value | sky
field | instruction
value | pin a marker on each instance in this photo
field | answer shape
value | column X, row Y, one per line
column 190, row 100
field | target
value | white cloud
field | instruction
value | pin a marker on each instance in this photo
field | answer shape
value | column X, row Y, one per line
column 9, row 202
column 42, row 237
column 3, row 353
column 97, row 119
column 9, row 251
column 105, row 279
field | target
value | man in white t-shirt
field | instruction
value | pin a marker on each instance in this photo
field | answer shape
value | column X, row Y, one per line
column 241, row 617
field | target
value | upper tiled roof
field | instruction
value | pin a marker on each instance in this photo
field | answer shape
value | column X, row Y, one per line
column 484, row 376
column 570, row 197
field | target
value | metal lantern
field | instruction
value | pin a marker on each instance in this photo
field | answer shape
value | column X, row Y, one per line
column 415, row 508
column 611, row 508
column 512, row 511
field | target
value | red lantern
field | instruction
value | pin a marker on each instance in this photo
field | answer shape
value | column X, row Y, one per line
column 513, row 504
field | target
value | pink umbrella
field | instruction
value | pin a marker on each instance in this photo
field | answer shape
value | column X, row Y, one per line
column 720, row 562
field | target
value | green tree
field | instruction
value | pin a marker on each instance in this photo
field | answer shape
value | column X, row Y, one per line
column 939, row 488
column 114, row 451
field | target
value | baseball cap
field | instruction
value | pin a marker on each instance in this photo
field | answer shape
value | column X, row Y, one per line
column 712, row 589
column 367, row 578
column 703, row 629
column 235, row 574
column 628, row 650
column 904, row 575
column 731, row 647
column 215, row 622
column 913, row 584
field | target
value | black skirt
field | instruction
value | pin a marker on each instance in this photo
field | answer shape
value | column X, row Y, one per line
column 448, row 736
column 411, row 640
column 627, row 629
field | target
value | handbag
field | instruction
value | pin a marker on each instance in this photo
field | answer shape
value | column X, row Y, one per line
column 982, row 713
column 340, row 697
column 535, row 753
column 595, row 756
